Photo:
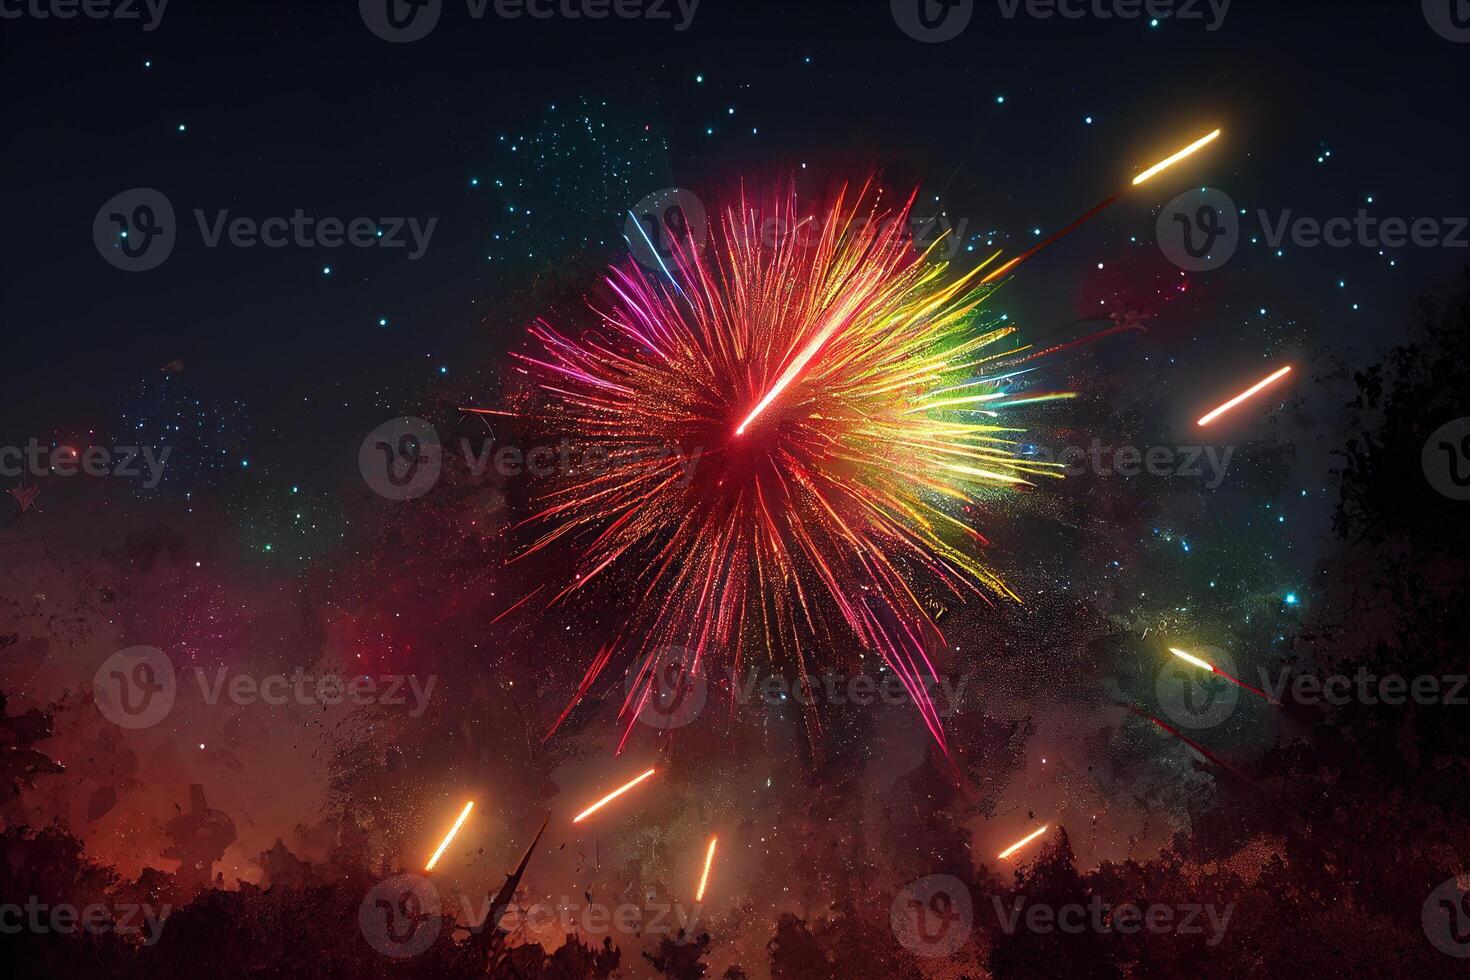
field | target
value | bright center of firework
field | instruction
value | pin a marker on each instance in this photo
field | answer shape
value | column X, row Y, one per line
column 795, row 431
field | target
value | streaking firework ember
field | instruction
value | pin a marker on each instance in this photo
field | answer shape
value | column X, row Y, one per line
column 1190, row 658
column 795, row 430
column 611, row 796
column 709, row 860
column 1249, row 393
column 449, row 837
column 1003, row 855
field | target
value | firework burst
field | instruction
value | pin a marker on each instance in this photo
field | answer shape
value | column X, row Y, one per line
column 798, row 428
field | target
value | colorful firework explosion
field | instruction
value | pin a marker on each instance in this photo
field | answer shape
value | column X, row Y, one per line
column 796, row 428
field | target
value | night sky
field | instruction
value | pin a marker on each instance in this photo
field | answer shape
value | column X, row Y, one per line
column 515, row 149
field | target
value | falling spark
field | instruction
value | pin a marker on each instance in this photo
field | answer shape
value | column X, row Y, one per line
column 1095, row 210
column 1253, row 389
column 1022, row 842
column 450, row 836
column 1188, row 657
column 610, row 797
column 709, row 859
column 1169, row 162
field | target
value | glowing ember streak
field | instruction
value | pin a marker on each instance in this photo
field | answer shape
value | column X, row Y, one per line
column 464, row 814
column 1191, row 658
column 709, row 859
column 1167, row 163
column 1253, row 389
column 1022, row 843
column 610, row 797
column 1206, row 665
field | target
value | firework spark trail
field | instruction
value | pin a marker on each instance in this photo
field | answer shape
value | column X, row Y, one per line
column 1190, row 658
column 865, row 378
column 1022, row 842
column 1244, row 395
column 464, row 814
column 709, row 859
column 1100, row 207
column 611, row 796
